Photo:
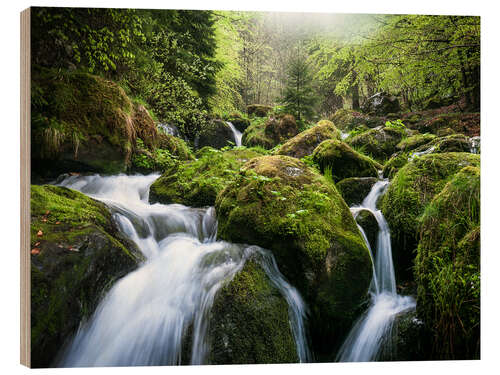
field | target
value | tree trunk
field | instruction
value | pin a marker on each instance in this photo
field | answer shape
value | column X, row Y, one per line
column 355, row 97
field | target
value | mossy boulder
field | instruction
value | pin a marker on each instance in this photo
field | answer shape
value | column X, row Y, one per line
column 197, row 183
column 84, row 123
column 415, row 141
column 343, row 161
column 170, row 150
column 255, row 135
column 447, row 267
column 279, row 130
column 355, row 189
column 394, row 164
column 249, row 321
column 281, row 204
column 347, row 120
column 450, row 143
column 175, row 146
column 304, row 143
column 380, row 143
column 258, row 110
column 411, row 190
column 76, row 255
column 216, row 134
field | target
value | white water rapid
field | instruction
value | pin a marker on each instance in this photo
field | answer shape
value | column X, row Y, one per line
column 371, row 332
column 144, row 316
column 236, row 133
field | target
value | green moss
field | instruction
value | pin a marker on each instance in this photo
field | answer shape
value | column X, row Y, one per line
column 197, row 183
column 304, row 143
column 347, row 119
column 410, row 191
column 450, row 143
column 77, row 255
column 255, row 135
column 279, row 130
column 84, row 119
column 344, row 161
column 447, row 267
column 394, row 164
column 249, row 322
column 379, row 143
column 281, row 204
column 415, row 141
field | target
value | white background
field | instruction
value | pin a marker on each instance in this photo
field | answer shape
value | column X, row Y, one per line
column 490, row 123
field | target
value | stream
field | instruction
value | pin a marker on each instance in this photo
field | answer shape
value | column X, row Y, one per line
column 143, row 319
column 371, row 333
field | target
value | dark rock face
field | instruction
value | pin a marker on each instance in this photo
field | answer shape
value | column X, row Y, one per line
column 381, row 104
column 409, row 339
column 216, row 134
column 249, row 322
column 370, row 226
column 77, row 254
column 355, row 189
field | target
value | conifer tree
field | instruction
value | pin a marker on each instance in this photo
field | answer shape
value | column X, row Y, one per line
column 299, row 96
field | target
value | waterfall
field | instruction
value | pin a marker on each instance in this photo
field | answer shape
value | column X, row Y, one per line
column 236, row 134
column 371, row 332
column 143, row 318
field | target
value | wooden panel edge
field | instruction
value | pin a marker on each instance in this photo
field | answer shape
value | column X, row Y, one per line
column 25, row 170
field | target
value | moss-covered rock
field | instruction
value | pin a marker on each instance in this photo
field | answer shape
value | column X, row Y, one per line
column 216, row 134
column 197, row 183
column 279, row 130
column 355, row 189
column 450, row 143
column 411, row 143
column 77, row 253
column 380, row 143
column 255, row 135
column 304, row 143
column 258, row 110
column 170, row 150
column 347, row 120
column 410, row 191
column 343, row 161
column 447, row 267
column 394, row 164
column 81, row 122
column 281, row 204
column 249, row 321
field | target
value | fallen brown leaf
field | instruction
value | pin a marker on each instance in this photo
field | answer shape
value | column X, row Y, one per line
column 35, row 251
column 40, row 233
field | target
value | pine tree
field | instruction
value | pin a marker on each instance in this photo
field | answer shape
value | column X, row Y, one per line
column 299, row 96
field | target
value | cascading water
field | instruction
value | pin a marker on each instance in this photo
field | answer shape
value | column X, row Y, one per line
column 143, row 318
column 369, row 334
column 236, row 133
